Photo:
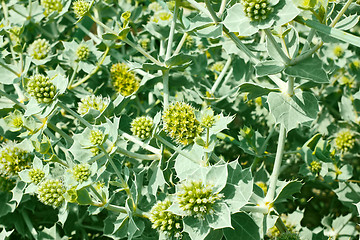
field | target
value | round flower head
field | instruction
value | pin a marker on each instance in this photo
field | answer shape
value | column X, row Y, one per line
column 144, row 43
column 39, row 49
column 338, row 51
column 6, row 184
column 161, row 16
column 92, row 102
column 217, row 67
column 344, row 140
column 50, row 192
column 256, row 9
column 81, row 7
column 95, row 151
column 180, row 122
column 96, row 137
column 315, row 166
column 81, row 172
column 51, row 6
column 36, row 175
column 82, row 52
column 207, row 121
column 13, row 159
column 165, row 221
column 123, row 80
column 142, row 127
column 196, row 198
column 41, row 88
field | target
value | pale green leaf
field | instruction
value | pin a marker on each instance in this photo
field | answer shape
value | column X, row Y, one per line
column 244, row 227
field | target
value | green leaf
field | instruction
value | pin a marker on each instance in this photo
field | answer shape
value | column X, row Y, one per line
column 7, row 76
column 83, row 197
column 197, row 228
column 254, row 90
column 216, row 176
column 286, row 190
column 306, row 69
column 6, row 205
column 301, row 108
column 348, row 193
column 215, row 235
column 221, row 218
column 348, row 22
column 269, row 67
column 244, row 227
column 153, row 66
column 178, row 59
column 18, row 192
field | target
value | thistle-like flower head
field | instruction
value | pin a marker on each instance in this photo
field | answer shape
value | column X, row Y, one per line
column 83, row 52
column 123, row 80
column 81, row 172
column 13, row 159
column 344, row 140
column 51, row 6
column 315, row 166
column 39, row 49
column 142, row 127
column 50, row 192
column 92, row 102
column 36, row 175
column 196, row 198
column 180, row 122
column 165, row 221
column 256, row 9
column 41, row 88
column 81, row 8
column 96, row 137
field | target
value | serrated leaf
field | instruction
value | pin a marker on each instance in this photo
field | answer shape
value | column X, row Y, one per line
column 254, row 90
column 197, row 228
column 178, row 59
column 153, row 66
column 244, row 227
column 305, row 69
column 286, row 190
column 301, row 108
column 269, row 67
column 221, row 217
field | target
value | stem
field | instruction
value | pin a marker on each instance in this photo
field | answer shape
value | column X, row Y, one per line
column 84, row 29
column 97, row 21
column 166, row 88
column 87, row 77
column 221, row 76
column 98, row 16
column 308, row 40
column 206, row 146
column 98, row 195
column 140, row 143
column 137, row 155
column 276, row 170
column 142, row 51
column 181, row 43
column 290, row 86
column 12, row 99
column 262, row 150
column 115, row 208
column 271, row 38
column 212, row 12
column 10, row 69
column 61, row 132
column 306, row 55
column 172, row 30
column 341, row 13
column 256, row 209
column 73, row 75
column 29, row 224
column 81, row 119
column 222, row 8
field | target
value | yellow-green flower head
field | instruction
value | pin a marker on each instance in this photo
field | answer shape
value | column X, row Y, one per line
column 161, row 16
column 96, row 137
column 355, row 65
column 345, row 80
column 315, row 166
column 82, row 52
column 256, row 10
column 180, row 122
column 36, row 175
column 155, row 7
column 144, row 43
column 288, row 236
column 51, row 6
column 6, row 184
column 92, row 102
column 41, row 88
column 14, row 119
column 13, row 159
column 81, row 8
column 123, row 80
column 263, row 186
column 217, row 67
column 196, row 198
column 207, row 121
column 81, row 172
column 39, row 49
column 189, row 42
column 50, row 192
column 14, row 34
column 95, row 151
column 344, row 140
column 338, row 51
column 165, row 221
column 142, row 127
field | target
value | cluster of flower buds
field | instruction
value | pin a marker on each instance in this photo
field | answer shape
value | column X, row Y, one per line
column 50, row 192
column 92, row 102
column 81, row 8
column 51, row 6
column 81, row 172
column 96, row 137
column 142, row 127
column 123, row 80
column 344, row 140
column 41, row 88
column 36, row 175
column 256, row 9
column 39, row 49
column 13, row 159
column 315, row 166
column 83, row 52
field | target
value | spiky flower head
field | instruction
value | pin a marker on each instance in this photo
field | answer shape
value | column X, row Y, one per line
column 6, row 184
column 81, row 8
column 144, row 43
column 13, row 159
column 83, row 52
column 39, row 49
column 161, row 16
column 288, row 236
column 180, row 122
column 123, row 80
column 165, row 221
column 50, row 192
column 95, row 151
column 196, row 198
column 207, row 121
column 344, row 140
column 217, row 67
column 338, row 51
column 15, row 119
column 36, row 175
column 92, row 102
column 346, row 80
column 142, row 127
column 41, row 88
column 96, row 137
column 315, row 166
column 256, row 10
column 81, row 172
column 51, row 6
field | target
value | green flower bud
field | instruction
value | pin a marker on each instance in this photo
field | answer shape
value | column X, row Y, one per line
column 189, row 42
column 41, row 88
column 142, row 127
column 144, row 43
column 207, row 121
column 81, row 8
column 256, row 10
column 196, row 198
column 95, row 151
column 315, row 167
column 51, row 6
column 13, row 159
column 92, row 102
column 39, row 49
column 123, row 80
column 6, row 184
column 82, row 52
column 288, row 236
column 180, row 122
column 36, row 175
column 344, row 140
column 81, row 172
column 96, row 137
column 338, row 51
column 50, row 192
column 165, row 221
column 217, row 67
